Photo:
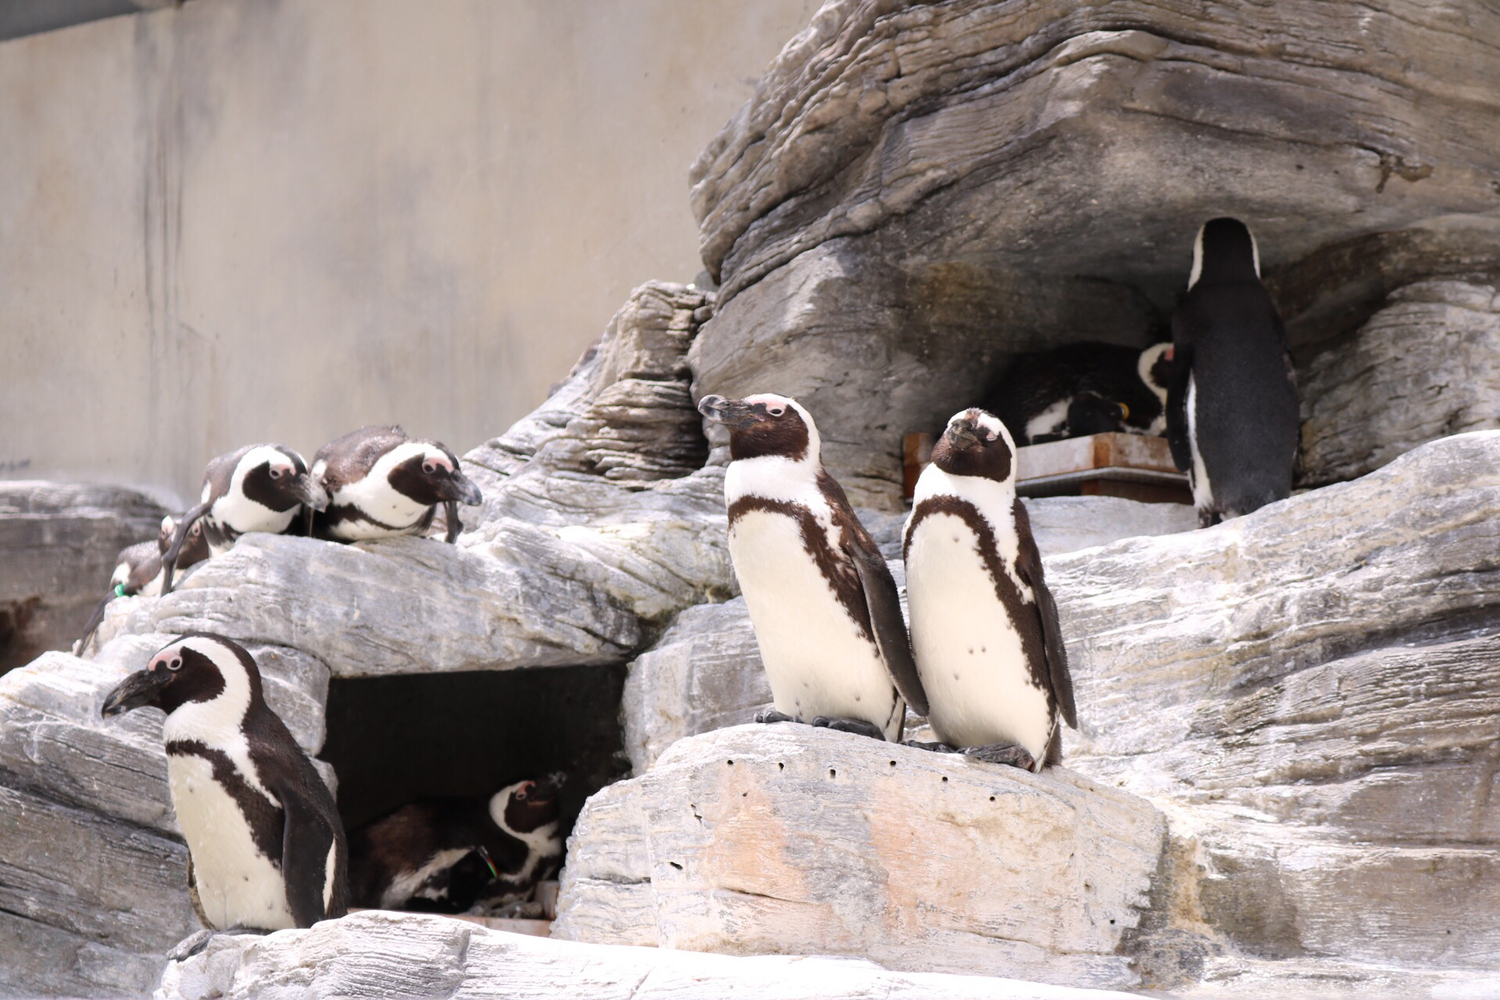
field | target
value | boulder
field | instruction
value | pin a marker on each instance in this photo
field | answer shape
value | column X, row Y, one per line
column 793, row 840
column 58, row 543
column 389, row 955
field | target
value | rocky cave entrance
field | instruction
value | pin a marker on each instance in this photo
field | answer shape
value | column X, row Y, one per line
column 393, row 740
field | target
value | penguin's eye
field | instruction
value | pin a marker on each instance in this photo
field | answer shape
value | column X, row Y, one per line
column 174, row 664
column 776, row 411
column 428, row 468
column 275, row 473
column 1124, row 411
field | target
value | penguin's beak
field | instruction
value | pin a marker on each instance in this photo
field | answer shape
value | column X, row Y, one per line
column 135, row 691
column 310, row 492
column 735, row 414
column 963, row 434
column 460, row 488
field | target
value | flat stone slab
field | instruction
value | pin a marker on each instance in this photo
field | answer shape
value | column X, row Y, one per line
column 389, row 955
column 788, row 839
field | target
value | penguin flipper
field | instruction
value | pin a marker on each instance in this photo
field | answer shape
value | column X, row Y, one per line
column 95, row 620
column 1029, row 568
column 1177, row 422
column 887, row 624
column 174, row 547
column 313, row 892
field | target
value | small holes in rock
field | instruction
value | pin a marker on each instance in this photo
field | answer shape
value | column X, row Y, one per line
column 781, row 766
column 731, row 763
column 832, row 773
column 675, row 865
column 945, row 779
column 992, row 798
column 893, row 763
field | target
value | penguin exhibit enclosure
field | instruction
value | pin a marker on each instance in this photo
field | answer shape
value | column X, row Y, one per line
column 1052, row 551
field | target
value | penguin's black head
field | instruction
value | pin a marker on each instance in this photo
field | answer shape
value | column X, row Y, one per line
column 194, row 668
column 764, row 424
column 1224, row 253
column 975, row 443
column 527, row 805
column 276, row 477
column 430, row 475
column 1091, row 413
column 194, row 549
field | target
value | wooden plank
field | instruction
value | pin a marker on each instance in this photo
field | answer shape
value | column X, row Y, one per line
column 1098, row 451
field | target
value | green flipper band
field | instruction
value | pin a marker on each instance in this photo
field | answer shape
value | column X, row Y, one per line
column 119, row 590
column 486, row 856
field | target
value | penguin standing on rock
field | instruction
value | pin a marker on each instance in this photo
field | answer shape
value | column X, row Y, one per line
column 984, row 626
column 824, row 605
column 266, row 846
column 138, row 571
column 261, row 487
column 1233, row 419
column 444, row 855
column 381, row 483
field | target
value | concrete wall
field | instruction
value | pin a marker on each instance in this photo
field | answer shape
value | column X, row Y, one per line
column 250, row 220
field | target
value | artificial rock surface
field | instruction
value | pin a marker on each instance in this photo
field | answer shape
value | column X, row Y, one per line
column 794, row 840
column 58, row 543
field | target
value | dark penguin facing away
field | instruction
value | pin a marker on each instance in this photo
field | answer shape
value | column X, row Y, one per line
column 260, row 487
column 138, row 571
column 824, row 606
column 444, row 855
column 984, row 626
column 1086, row 388
column 1233, row 412
column 381, row 483
column 266, row 847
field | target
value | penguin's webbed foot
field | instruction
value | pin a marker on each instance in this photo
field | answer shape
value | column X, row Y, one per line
column 934, row 747
column 1003, row 753
column 190, row 946
column 859, row 727
column 771, row 715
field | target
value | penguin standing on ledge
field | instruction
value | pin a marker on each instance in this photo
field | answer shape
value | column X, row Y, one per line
column 1233, row 419
column 138, row 571
column 266, row 846
column 380, row 483
column 823, row 603
column 444, row 855
column 984, row 627
column 260, row 487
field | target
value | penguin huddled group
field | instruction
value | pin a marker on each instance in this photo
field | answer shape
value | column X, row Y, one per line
column 983, row 658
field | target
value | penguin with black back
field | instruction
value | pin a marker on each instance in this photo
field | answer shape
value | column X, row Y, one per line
column 823, row 603
column 138, row 571
column 381, row 483
column 260, row 487
column 444, row 855
column 1233, row 413
column 1083, row 388
column 984, row 626
column 266, row 846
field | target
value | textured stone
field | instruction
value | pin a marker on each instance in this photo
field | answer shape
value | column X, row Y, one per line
column 386, row 955
column 1426, row 365
column 58, row 543
column 796, row 840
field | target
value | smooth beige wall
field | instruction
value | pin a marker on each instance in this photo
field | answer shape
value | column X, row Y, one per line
column 248, row 220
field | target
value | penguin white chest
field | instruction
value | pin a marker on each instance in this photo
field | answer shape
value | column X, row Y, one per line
column 818, row 660
column 238, row 886
column 968, row 651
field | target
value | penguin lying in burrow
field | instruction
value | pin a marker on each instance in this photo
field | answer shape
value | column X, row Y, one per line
column 266, row 848
column 381, row 483
column 1080, row 389
column 260, row 487
column 823, row 603
column 138, row 570
column 447, row 855
column 1233, row 417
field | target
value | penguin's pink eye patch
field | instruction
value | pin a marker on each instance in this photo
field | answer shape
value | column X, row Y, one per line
column 432, row 465
column 776, row 411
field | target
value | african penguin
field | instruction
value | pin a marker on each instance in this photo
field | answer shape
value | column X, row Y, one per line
column 1233, row 413
column 138, row 571
column 1068, row 392
column 260, row 487
column 266, row 846
column 443, row 855
column 822, row 601
column 381, row 483
column 984, row 626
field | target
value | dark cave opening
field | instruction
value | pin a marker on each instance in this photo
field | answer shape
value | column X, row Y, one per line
column 394, row 740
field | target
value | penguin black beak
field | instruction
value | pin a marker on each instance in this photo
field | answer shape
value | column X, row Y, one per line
column 310, row 492
column 135, row 691
column 963, row 435
column 735, row 414
column 460, row 488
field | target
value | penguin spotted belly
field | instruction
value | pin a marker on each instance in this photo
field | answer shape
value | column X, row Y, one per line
column 238, row 886
column 969, row 656
column 819, row 662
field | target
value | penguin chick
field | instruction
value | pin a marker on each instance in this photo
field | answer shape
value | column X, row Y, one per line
column 445, row 854
column 1035, row 395
column 824, row 606
column 984, row 625
column 1233, row 414
column 266, row 847
column 260, row 487
column 138, row 571
column 380, row 483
